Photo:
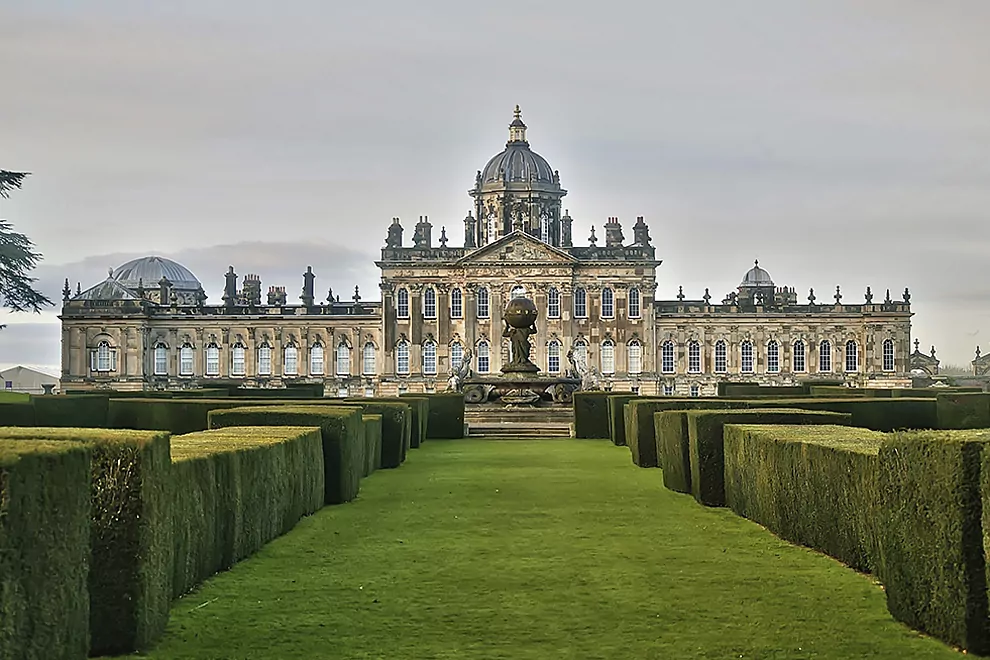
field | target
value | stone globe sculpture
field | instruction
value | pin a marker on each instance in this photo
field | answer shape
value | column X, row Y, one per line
column 520, row 323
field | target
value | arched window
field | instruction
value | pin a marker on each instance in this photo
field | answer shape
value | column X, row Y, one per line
column 368, row 360
column 888, row 354
column 667, row 357
column 265, row 359
column 694, row 357
column 580, row 303
column 483, row 357
column 290, row 361
column 456, row 356
column 430, row 358
column 553, row 303
column 456, row 304
column 518, row 291
column 161, row 359
column 402, row 358
column 608, row 357
column 852, row 356
column 721, row 357
column 608, row 303
column 186, row 360
column 773, row 357
column 430, row 303
column 402, row 303
column 800, row 364
column 492, row 227
column 825, row 356
column 237, row 359
column 316, row 359
column 212, row 359
column 545, row 227
column 634, row 355
column 483, row 310
column 746, row 357
column 580, row 349
column 343, row 366
column 553, row 357
column 634, row 303
column 103, row 358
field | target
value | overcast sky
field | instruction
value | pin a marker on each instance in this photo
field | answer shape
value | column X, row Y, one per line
column 840, row 142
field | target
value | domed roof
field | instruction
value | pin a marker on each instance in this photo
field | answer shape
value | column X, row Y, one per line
column 518, row 163
column 148, row 271
column 756, row 276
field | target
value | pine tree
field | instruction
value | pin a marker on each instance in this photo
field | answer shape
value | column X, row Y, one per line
column 17, row 258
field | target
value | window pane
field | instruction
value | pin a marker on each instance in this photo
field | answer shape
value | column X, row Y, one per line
column 888, row 354
column 553, row 357
column 694, row 357
column 402, row 304
column 456, row 304
column 430, row 303
column 773, row 357
column 161, row 360
column 483, row 364
column 368, row 366
column 264, row 360
column 635, row 354
column 402, row 358
column 316, row 358
column 746, row 357
column 608, row 303
column 186, row 360
column 237, row 360
column 799, row 361
column 290, row 361
column 667, row 357
column 482, row 303
column 580, row 303
column 343, row 360
column 721, row 357
column 553, row 303
column 634, row 303
column 608, row 358
column 429, row 358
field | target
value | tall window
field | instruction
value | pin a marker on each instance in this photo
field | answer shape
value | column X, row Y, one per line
column 634, row 304
column 746, row 357
column 316, row 358
column 456, row 304
column 667, row 357
column 430, row 358
column 161, row 359
column 608, row 357
column 368, row 360
column 825, row 356
column 186, row 360
column 483, row 357
column 721, row 357
column 212, row 359
column 402, row 358
column 518, row 291
column 634, row 354
column 290, row 360
column 580, row 303
column 104, row 358
column 852, row 356
column 799, row 362
column 888, row 354
column 545, row 228
column 265, row 359
column 694, row 357
column 608, row 303
column 343, row 359
column 580, row 348
column 237, row 359
column 668, row 390
column 482, row 301
column 553, row 303
column 402, row 304
column 430, row 303
column 553, row 356
column 695, row 390
column 773, row 357
column 456, row 356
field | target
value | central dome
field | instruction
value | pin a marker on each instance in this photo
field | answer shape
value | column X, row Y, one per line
column 756, row 277
column 148, row 271
column 518, row 163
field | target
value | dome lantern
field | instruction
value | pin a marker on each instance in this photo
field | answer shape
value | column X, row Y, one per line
column 517, row 129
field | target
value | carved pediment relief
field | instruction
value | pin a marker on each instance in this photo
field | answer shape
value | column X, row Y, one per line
column 518, row 248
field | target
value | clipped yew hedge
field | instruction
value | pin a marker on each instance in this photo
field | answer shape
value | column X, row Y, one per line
column 178, row 416
column 342, row 431
column 130, row 564
column 372, row 443
column 16, row 413
column 446, row 415
column 641, row 428
column 616, row 417
column 877, row 414
column 44, row 549
column 81, row 411
column 591, row 418
column 396, row 426
column 812, row 485
column 234, row 490
column 931, row 540
column 419, row 406
column 963, row 410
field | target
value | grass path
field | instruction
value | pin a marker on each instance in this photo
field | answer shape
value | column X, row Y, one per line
column 534, row 550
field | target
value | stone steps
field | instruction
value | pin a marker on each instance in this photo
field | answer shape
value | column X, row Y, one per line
column 522, row 423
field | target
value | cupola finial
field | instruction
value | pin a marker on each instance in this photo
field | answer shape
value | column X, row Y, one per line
column 517, row 129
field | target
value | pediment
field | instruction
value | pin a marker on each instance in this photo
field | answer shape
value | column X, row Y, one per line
column 517, row 248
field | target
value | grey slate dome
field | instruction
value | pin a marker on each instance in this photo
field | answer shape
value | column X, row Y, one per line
column 518, row 163
column 756, row 276
column 148, row 271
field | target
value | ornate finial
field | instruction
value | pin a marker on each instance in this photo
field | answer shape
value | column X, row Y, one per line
column 916, row 342
column 933, row 351
column 869, row 296
column 977, row 352
column 811, row 296
column 357, row 294
column 110, row 272
column 443, row 237
column 756, row 263
column 78, row 288
column 907, row 295
column 517, row 129
column 887, row 299
column 707, row 297
column 680, row 293
column 592, row 239
column 838, row 296
column 330, row 295
column 66, row 291
column 517, row 113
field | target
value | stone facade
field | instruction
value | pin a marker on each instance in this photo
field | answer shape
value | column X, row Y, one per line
column 438, row 302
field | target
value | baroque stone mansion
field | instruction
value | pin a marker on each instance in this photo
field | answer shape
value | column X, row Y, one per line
column 147, row 326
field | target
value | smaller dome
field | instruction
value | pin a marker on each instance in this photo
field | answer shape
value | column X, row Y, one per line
column 148, row 271
column 756, row 276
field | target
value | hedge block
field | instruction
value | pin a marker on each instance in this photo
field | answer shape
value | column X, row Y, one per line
column 372, row 443
column 178, row 416
column 641, row 429
column 705, row 442
column 745, row 390
column 343, row 439
column 812, row 485
column 15, row 413
column 130, row 534
column 44, row 549
column 877, row 414
column 617, row 418
column 670, row 428
column 591, row 418
column 419, row 406
column 446, row 418
column 963, row 410
column 80, row 411
column 235, row 489
column 396, row 426
column 931, row 540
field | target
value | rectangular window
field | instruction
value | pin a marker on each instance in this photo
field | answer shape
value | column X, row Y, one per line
column 430, row 303
column 553, row 304
column 186, row 361
column 430, row 359
column 721, row 358
column 608, row 303
column 635, row 356
column 694, row 357
column 799, row 360
column 265, row 361
column 402, row 358
column 212, row 360
column 369, row 360
column 634, row 306
column 668, row 390
column 746, row 357
column 888, row 354
column 825, row 357
column 580, row 303
column 161, row 361
column 483, row 359
column 553, row 357
column 237, row 361
column 608, row 358
column 695, row 390
column 667, row 357
column 402, row 303
column 456, row 304
column 482, row 301
column 773, row 357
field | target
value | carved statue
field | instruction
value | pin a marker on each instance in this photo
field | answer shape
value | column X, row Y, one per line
column 519, row 338
column 457, row 378
column 520, row 325
column 589, row 375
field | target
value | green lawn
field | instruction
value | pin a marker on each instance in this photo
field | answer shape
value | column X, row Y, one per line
column 543, row 550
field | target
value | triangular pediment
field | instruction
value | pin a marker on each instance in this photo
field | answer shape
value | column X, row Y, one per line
column 517, row 248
